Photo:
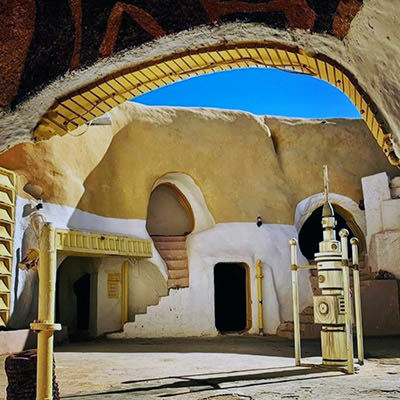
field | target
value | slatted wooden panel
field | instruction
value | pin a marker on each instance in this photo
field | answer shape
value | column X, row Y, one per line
column 101, row 244
column 7, row 215
column 81, row 106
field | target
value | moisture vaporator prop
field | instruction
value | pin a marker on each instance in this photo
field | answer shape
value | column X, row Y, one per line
column 333, row 309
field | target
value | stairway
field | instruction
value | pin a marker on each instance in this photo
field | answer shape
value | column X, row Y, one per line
column 172, row 249
column 308, row 329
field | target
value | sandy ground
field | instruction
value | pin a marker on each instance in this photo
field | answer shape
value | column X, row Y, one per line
column 223, row 368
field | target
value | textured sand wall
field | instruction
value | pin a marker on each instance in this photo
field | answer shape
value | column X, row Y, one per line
column 241, row 170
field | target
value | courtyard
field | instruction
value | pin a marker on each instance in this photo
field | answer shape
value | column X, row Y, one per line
column 221, row 368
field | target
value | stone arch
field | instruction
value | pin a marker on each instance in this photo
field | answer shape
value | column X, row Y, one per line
column 93, row 99
column 192, row 198
column 346, row 207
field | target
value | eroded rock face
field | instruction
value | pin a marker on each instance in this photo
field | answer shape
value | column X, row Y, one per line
column 83, row 46
column 43, row 40
column 245, row 165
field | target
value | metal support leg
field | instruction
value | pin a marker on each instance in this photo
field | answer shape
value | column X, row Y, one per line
column 357, row 301
column 347, row 301
column 259, row 276
column 295, row 296
column 125, row 293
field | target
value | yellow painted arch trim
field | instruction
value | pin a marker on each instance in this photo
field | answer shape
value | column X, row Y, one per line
column 79, row 107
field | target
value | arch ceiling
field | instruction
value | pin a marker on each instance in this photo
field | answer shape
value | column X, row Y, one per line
column 45, row 42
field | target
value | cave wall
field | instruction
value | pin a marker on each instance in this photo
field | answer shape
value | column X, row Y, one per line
column 43, row 40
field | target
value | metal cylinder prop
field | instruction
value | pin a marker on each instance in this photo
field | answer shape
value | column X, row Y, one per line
column 333, row 308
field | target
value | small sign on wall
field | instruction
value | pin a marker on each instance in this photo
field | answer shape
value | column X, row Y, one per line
column 113, row 285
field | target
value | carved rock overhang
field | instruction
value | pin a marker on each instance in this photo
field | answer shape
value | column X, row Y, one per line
column 80, row 106
column 43, row 41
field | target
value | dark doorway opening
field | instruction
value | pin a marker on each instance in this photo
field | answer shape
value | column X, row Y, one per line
column 76, row 298
column 230, row 288
column 82, row 292
column 311, row 232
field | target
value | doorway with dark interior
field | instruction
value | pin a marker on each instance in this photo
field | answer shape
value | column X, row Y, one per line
column 311, row 232
column 75, row 304
column 81, row 288
column 230, row 296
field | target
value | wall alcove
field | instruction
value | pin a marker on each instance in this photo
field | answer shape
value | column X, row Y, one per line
column 169, row 220
column 311, row 231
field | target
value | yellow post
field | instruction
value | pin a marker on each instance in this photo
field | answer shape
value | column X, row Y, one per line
column 45, row 325
column 124, row 292
column 260, row 276
column 357, row 300
column 295, row 296
column 347, row 301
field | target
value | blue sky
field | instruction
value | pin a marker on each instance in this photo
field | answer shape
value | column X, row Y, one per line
column 258, row 90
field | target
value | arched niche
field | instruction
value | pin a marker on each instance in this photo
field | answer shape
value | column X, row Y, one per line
column 169, row 212
column 349, row 216
column 176, row 208
column 190, row 198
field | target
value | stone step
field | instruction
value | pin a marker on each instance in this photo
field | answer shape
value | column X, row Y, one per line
column 285, row 334
column 307, row 331
column 173, row 255
column 177, row 264
column 178, row 283
column 162, row 246
column 306, row 318
column 178, row 274
column 172, row 250
column 160, row 239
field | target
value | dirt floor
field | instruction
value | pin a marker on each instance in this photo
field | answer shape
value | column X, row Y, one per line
column 222, row 368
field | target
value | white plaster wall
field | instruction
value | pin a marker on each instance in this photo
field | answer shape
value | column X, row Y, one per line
column 391, row 214
column 25, row 283
column 190, row 311
column 193, row 307
column 385, row 252
column 23, row 304
column 375, row 190
column 145, row 287
column 383, row 224
column 108, row 310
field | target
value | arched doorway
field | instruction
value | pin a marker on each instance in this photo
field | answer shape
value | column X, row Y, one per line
column 169, row 220
column 311, row 232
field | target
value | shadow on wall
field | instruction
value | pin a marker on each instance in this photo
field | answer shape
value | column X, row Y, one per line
column 146, row 287
column 169, row 212
column 26, row 302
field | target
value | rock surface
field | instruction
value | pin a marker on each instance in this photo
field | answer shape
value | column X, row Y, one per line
column 245, row 165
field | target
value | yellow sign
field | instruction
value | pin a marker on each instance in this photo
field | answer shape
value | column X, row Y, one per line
column 113, row 285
